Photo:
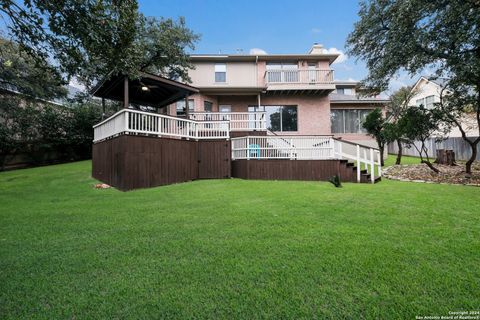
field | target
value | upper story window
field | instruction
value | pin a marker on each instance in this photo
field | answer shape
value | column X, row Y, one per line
column 427, row 102
column 220, row 72
column 346, row 91
column 181, row 110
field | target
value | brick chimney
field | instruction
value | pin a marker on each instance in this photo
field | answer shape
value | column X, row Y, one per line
column 316, row 49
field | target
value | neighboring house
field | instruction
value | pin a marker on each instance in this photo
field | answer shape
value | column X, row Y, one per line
column 297, row 92
column 427, row 92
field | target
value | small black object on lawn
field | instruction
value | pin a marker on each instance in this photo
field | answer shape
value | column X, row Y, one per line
column 335, row 180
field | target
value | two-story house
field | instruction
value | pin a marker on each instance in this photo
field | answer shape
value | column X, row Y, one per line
column 297, row 94
column 280, row 116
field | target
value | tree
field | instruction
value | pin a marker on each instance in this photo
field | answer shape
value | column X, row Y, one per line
column 398, row 104
column 378, row 127
column 443, row 35
column 457, row 103
column 20, row 72
column 93, row 39
column 419, row 124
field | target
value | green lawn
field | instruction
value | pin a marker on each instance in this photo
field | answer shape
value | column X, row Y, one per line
column 234, row 249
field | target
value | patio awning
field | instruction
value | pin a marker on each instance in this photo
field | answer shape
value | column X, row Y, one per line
column 149, row 90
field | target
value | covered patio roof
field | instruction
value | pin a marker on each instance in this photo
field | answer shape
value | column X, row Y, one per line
column 148, row 90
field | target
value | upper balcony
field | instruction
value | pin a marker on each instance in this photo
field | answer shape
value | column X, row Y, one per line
column 312, row 80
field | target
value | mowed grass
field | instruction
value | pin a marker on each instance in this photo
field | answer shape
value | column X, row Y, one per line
column 234, row 249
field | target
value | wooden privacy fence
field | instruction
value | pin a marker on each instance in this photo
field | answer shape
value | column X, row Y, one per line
column 457, row 144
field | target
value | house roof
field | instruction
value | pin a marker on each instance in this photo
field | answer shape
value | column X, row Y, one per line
column 344, row 98
column 159, row 93
column 262, row 57
column 440, row 82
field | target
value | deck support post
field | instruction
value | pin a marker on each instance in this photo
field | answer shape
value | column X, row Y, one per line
column 358, row 163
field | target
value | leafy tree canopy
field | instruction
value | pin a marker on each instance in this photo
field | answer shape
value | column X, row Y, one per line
column 411, row 35
column 93, row 38
column 32, row 77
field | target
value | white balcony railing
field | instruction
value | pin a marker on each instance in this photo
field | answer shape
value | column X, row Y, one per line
column 239, row 121
column 139, row 122
column 316, row 76
column 308, row 148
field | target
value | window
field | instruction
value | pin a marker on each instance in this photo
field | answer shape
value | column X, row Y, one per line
column 347, row 91
column 429, row 102
column 207, row 106
column 181, row 107
column 420, row 102
column 225, row 108
column 348, row 120
column 279, row 118
column 220, row 72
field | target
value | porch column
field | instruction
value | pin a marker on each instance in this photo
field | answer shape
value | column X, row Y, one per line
column 125, row 93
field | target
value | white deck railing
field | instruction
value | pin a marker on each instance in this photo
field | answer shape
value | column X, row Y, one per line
column 307, row 148
column 239, row 121
column 139, row 122
column 283, row 147
column 316, row 76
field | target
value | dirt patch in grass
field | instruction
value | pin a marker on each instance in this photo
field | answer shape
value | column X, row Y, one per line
column 421, row 173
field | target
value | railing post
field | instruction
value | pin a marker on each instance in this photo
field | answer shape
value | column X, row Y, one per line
column 291, row 148
column 126, row 120
column 248, row 148
column 358, row 163
column 372, row 166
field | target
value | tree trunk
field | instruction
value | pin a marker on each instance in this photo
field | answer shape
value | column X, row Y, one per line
column 468, row 165
column 430, row 165
column 381, row 149
column 400, row 152
column 445, row 157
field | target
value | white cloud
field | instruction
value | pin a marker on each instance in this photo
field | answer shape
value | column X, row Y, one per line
column 316, row 30
column 342, row 56
column 257, row 51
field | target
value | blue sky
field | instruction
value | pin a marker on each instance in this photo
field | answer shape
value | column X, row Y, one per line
column 279, row 26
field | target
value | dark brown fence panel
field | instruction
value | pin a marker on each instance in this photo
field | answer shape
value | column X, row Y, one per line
column 314, row 170
column 130, row 162
column 214, row 159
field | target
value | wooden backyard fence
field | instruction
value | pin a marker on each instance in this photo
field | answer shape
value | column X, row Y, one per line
column 457, row 144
